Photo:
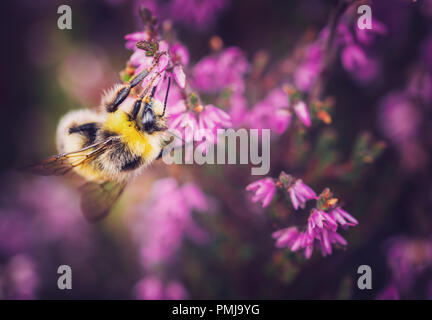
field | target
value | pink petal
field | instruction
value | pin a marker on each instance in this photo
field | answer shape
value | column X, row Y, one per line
column 179, row 76
column 302, row 113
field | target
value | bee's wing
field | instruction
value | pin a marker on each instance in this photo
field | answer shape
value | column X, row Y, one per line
column 98, row 198
column 63, row 163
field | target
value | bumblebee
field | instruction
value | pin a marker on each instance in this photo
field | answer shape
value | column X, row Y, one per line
column 111, row 146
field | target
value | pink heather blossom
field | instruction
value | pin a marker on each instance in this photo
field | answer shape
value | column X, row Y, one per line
column 285, row 237
column 263, row 189
column 407, row 258
column 343, row 35
column 399, row 118
column 222, row 71
column 307, row 72
column 160, row 235
column 133, row 38
column 366, row 36
column 343, row 217
column 271, row 112
column 18, row 278
column 183, row 120
column 302, row 113
column 300, row 193
column 149, row 288
column 389, row 293
column 173, row 58
column 326, row 238
column 179, row 54
column 320, row 220
column 353, row 58
column 197, row 14
column 305, row 75
column 212, row 117
column 360, row 66
column 163, row 63
column 238, row 109
column 179, row 76
column 174, row 290
column 294, row 240
column 201, row 127
column 152, row 288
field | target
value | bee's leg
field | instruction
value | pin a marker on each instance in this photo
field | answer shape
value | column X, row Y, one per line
column 137, row 104
column 124, row 91
column 160, row 155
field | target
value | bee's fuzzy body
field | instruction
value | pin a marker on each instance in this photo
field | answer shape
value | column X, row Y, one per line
column 132, row 148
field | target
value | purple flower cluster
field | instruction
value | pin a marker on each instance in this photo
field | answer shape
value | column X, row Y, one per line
column 275, row 112
column 169, row 60
column 263, row 190
column 159, row 235
column 196, row 14
column 322, row 223
column 354, row 56
column 19, row 278
column 40, row 213
column 195, row 122
column 407, row 259
column 152, row 288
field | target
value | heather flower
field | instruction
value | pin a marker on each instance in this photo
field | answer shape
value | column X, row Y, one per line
column 343, row 217
column 199, row 125
column 263, row 189
column 133, row 38
column 389, row 293
column 151, row 288
column 179, row 54
column 302, row 113
column 407, row 259
column 318, row 221
column 196, row 14
column 399, row 118
column 212, row 117
column 170, row 59
column 353, row 58
column 159, row 235
column 305, row 75
column 271, row 112
column 355, row 61
column 307, row 72
column 299, row 193
column 294, row 240
column 225, row 70
column 18, row 278
column 183, row 120
column 326, row 238
column 366, row 36
column 238, row 109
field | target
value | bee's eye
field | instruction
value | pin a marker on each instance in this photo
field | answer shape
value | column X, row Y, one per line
column 148, row 118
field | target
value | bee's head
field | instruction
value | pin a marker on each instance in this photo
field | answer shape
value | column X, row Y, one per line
column 152, row 117
column 148, row 118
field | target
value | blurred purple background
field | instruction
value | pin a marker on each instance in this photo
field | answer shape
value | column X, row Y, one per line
column 209, row 240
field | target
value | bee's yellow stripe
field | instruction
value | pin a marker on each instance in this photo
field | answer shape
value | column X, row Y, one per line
column 118, row 122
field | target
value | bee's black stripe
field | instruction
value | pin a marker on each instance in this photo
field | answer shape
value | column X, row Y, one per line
column 89, row 130
column 132, row 164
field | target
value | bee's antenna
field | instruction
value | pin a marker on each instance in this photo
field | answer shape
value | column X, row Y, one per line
column 166, row 96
